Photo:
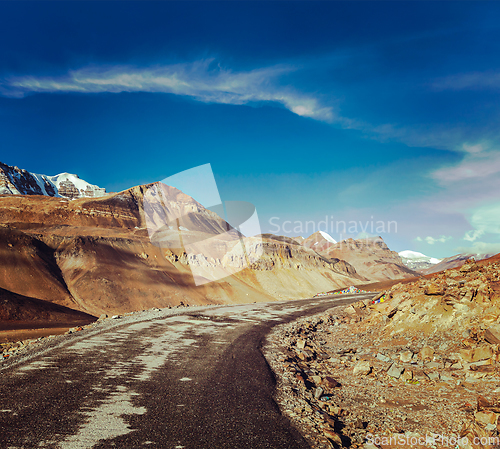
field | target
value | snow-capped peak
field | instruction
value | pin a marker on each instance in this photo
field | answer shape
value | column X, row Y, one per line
column 327, row 237
column 15, row 181
column 416, row 256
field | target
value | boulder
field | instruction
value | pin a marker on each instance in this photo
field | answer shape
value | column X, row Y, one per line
column 395, row 371
column 318, row 392
column 350, row 310
column 335, row 437
column 433, row 375
column 434, row 289
column 330, row 382
column 426, row 353
column 486, row 417
column 406, row 356
column 407, row 375
column 476, row 354
column 316, row 379
column 492, row 334
column 362, row 368
column 383, row 358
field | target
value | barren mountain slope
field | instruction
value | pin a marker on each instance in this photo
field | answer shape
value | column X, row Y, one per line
column 96, row 256
column 454, row 262
column 370, row 257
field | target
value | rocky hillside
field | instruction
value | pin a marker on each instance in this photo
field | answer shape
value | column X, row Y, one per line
column 371, row 257
column 139, row 249
column 418, row 363
column 16, row 181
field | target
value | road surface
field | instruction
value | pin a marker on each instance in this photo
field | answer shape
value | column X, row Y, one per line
column 193, row 380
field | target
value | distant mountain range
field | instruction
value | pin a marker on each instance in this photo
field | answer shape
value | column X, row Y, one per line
column 116, row 253
column 16, row 181
column 370, row 257
column 454, row 262
column 417, row 261
column 120, row 252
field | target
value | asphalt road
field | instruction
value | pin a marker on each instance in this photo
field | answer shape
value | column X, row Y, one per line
column 193, row 380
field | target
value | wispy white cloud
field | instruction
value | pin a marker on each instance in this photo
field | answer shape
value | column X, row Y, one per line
column 198, row 80
column 473, row 235
column 469, row 81
column 477, row 163
column 431, row 240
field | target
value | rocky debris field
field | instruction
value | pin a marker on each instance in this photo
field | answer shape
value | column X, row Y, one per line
column 418, row 369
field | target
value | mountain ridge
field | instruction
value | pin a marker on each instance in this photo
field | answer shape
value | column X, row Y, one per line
column 16, row 181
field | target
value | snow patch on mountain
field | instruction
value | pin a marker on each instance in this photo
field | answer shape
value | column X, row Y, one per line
column 65, row 180
column 16, row 181
column 414, row 255
column 328, row 237
column 417, row 261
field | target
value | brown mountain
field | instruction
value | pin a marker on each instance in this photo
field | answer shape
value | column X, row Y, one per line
column 370, row 257
column 454, row 262
column 138, row 249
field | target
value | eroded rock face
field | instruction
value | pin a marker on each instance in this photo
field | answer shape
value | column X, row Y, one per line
column 15, row 181
column 68, row 190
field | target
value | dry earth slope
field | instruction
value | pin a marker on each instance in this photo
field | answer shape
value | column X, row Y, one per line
column 96, row 255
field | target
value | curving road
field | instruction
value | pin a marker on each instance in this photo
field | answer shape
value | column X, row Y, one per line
column 194, row 379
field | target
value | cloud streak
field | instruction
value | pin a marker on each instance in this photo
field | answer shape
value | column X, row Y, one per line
column 431, row 240
column 489, row 80
column 477, row 164
column 197, row 80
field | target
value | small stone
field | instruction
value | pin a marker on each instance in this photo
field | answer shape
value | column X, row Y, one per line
column 486, row 417
column 406, row 356
column 331, row 435
column 433, row 375
column 362, row 368
column 434, row 289
column 318, row 392
column 301, row 344
column 383, row 358
column 395, row 371
column 316, row 379
column 350, row 310
column 407, row 375
column 330, row 382
column 426, row 353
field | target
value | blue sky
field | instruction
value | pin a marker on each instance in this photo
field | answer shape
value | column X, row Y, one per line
column 363, row 113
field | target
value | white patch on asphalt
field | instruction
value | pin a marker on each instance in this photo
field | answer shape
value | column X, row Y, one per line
column 185, row 379
column 105, row 422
